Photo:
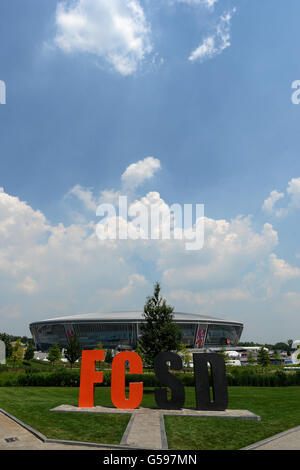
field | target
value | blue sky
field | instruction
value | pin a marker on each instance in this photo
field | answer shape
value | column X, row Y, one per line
column 203, row 87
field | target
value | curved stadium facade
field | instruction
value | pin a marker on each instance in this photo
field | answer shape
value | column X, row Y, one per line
column 121, row 330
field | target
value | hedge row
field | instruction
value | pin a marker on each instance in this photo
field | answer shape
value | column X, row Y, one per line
column 71, row 378
column 267, row 379
column 59, row 378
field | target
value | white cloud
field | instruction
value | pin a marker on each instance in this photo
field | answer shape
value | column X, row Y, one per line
column 229, row 250
column 84, row 195
column 28, row 285
column 116, row 31
column 210, row 297
column 281, row 269
column 136, row 173
column 292, row 192
column 133, row 176
column 269, row 203
column 54, row 269
column 217, row 42
column 206, row 3
column 135, row 281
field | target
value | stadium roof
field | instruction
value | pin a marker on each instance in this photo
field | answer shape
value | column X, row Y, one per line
column 134, row 316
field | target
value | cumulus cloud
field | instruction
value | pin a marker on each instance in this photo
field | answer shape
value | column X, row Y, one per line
column 281, row 269
column 134, row 281
column 293, row 191
column 270, row 202
column 230, row 248
column 293, row 195
column 215, row 43
column 210, row 298
column 84, row 195
column 57, row 269
column 133, row 176
column 118, row 33
column 136, row 173
column 115, row 31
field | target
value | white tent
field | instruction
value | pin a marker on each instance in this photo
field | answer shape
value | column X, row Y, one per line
column 233, row 354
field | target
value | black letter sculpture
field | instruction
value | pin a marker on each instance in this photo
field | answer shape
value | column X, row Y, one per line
column 219, row 382
column 168, row 380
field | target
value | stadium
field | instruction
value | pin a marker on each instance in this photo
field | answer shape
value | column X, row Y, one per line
column 121, row 330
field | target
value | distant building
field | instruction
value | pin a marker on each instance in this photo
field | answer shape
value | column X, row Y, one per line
column 121, row 330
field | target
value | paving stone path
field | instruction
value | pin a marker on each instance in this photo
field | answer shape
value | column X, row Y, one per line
column 146, row 429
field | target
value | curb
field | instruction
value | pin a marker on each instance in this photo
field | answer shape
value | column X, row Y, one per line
column 163, row 434
column 270, row 439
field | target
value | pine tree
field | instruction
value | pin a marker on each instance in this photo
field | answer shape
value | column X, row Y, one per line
column 224, row 354
column 263, row 357
column 159, row 332
column 250, row 358
column 108, row 356
column 73, row 350
column 29, row 353
column 54, row 354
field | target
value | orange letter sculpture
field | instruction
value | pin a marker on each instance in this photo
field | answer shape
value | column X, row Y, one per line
column 89, row 376
column 118, row 396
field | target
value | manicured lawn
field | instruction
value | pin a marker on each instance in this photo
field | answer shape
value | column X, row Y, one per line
column 32, row 404
column 279, row 408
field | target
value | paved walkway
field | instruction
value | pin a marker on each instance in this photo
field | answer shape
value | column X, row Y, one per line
column 145, row 430
column 287, row 440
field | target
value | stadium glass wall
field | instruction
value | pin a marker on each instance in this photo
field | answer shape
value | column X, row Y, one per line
column 121, row 330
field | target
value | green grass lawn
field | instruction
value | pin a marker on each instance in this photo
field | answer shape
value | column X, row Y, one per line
column 279, row 408
column 32, row 404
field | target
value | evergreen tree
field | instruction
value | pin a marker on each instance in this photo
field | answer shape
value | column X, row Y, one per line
column 54, row 354
column 73, row 350
column 263, row 357
column 250, row 358
column 29, row 353
column 159, row 332
column 108, row 356
column 224, row 354
column 289, row 350
column 276, row 356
